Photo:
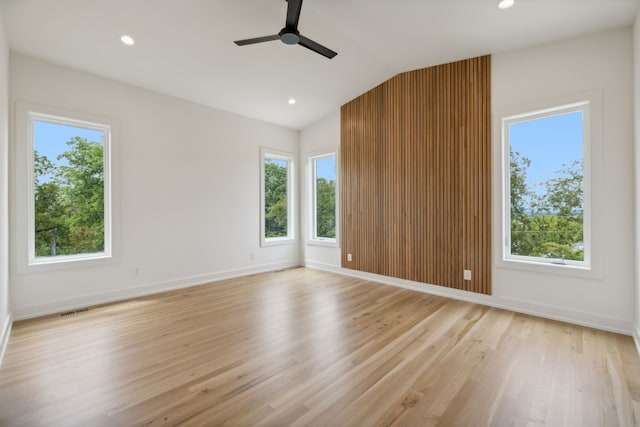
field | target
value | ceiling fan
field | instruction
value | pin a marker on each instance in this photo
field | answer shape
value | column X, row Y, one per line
column 290, row 34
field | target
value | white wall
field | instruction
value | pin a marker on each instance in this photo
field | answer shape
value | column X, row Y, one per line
column 602, row 63
column 544, row 74
column 636, row 109
column 186, row 200
column 320, row 138
column 5, row 312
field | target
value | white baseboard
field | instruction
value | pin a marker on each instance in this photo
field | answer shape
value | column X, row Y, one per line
column 5, row 332
column 324, row 267
column 52, row 307
column 611, row 324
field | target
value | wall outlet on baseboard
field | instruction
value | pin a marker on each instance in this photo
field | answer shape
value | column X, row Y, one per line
column 349, row 257
column 467, row 275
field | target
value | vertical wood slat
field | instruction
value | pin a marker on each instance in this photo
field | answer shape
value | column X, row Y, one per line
column 416, row 177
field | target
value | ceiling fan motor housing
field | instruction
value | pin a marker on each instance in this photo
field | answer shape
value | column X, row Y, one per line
column 289, row 36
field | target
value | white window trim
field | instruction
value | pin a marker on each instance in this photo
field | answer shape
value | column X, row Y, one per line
column 592, row 267
column 291, row 199
column 24, row 237
column 313, row 239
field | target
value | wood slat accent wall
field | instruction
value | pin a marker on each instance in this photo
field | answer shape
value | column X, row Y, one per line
column 415, row 183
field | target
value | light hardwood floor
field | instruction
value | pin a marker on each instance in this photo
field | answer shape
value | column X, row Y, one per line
column 304, row 347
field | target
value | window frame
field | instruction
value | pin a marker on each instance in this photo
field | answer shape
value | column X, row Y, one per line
column 23, row 200
column 32, row 117
column 590, row 108
column 313, row 213
column 267, row 153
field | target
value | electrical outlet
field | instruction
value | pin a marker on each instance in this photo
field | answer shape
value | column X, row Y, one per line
column 349, row 257
column 252, row 256
column 467, row 275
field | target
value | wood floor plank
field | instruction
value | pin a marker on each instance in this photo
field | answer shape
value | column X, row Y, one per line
column 305, row 347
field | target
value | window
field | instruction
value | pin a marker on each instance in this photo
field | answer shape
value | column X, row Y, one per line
column 546, row 172
column 323, row 194
column 277, row 197
column 69, row 206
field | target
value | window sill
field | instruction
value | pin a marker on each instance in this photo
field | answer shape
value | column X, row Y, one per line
column 277, row 241
column 548, row 268
column 63, row 262
column 326, row 243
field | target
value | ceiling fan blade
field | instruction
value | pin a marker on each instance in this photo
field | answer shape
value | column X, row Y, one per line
column 316, row 47
column 257, row 40
column 293, row 13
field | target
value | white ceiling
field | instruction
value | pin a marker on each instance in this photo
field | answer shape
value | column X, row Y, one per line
column 185, row 48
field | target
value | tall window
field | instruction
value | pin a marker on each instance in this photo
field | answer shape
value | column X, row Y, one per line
column 323, row 189
column 70, row 207
column 546, row 171
column 277, row 197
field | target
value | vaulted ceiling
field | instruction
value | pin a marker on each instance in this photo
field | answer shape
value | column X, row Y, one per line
column 185, row 48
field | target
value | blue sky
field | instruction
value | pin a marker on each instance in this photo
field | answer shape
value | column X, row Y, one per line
column 549, row 143
column 326, row 168
column 50, row 139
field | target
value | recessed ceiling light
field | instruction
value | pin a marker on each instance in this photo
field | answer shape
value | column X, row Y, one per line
column 128, row 40
column 292, row 101
column 505, row 4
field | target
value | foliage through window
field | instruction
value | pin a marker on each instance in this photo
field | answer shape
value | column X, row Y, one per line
column 546, row 181
column 69, row 215
column 277, row 193
column 324, row 197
